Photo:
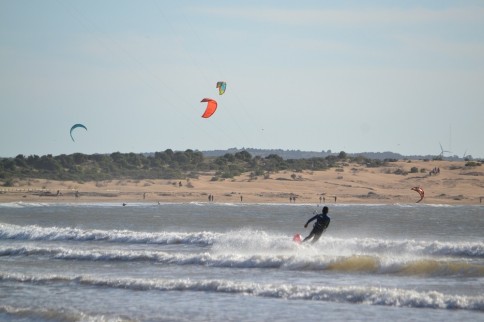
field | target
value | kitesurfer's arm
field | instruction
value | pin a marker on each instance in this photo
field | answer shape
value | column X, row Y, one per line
column 306, row 225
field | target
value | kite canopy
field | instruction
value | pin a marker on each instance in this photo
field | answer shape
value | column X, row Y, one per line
column 211, row 107
column 221, row 87
column 420, row 192
column 75, row 126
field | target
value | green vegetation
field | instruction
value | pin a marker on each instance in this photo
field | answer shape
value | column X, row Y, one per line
column 161, row 165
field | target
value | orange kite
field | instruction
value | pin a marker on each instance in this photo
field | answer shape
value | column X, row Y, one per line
column 211, row 107
column 420, row 192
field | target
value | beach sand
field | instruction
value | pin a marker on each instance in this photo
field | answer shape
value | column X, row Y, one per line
column 351, row 184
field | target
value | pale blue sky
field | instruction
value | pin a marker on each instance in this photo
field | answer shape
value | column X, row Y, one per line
column 401, row 76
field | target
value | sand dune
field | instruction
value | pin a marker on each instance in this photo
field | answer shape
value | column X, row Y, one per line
column 454, row 184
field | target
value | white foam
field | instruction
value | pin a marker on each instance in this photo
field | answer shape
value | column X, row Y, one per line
column 248, row 240
column 296, row 260
column 33, row 314
column 34, row 232
column 395, row 297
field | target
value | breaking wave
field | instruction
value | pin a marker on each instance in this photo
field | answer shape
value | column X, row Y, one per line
column 253, row 241
column 38, row 233
column 341, row 294
column 295, row 261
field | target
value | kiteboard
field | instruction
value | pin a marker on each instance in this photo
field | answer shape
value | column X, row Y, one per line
column 297, row 239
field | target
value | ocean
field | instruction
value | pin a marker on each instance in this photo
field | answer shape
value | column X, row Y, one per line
column 237, row 262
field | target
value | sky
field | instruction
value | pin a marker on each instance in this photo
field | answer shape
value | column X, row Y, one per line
column 353, row 76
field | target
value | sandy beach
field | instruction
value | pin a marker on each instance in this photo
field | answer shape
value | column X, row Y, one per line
column 451, row 183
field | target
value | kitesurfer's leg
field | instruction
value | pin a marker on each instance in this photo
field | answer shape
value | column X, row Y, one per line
column 309, row 237
column 316, row 236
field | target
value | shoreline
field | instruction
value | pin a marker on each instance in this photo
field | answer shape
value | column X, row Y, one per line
column 176, row 197
column 454, row 184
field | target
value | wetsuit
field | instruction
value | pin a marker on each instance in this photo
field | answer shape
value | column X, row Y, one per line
column 322, row 222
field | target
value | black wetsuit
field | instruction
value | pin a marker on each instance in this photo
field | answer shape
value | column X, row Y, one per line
column 322, row 222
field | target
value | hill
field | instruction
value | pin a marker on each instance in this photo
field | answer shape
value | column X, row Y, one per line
column 298, row 154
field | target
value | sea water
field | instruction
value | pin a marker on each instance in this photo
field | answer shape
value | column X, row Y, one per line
column 237, row 262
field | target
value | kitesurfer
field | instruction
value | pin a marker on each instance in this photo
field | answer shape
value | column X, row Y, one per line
column 322, row 222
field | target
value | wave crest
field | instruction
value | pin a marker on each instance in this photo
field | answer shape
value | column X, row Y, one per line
column 342, row 294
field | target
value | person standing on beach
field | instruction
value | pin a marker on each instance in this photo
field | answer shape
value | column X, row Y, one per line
column 322, row 222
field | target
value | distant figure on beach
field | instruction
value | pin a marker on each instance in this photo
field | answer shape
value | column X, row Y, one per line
column 434, row 171
column 322, row 222
column 241, row 198
column 335, row 198
column 77, row 194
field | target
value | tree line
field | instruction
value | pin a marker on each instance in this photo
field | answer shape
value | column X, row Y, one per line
column 168, row 164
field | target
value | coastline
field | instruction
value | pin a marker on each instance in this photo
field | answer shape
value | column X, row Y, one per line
column 453, row 184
